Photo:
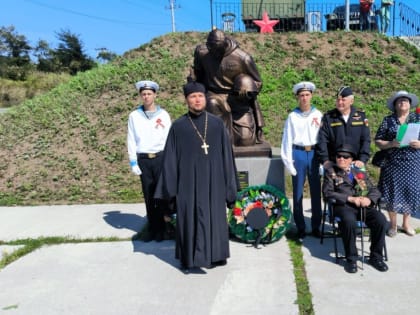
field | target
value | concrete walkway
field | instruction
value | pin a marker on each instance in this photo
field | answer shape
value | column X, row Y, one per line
column 133, row 277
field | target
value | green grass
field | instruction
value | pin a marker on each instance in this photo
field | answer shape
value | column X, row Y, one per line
column 304, row 296
column 10, row 307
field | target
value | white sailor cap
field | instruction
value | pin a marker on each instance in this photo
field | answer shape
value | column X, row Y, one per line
column 147, row 85
column 303, row 86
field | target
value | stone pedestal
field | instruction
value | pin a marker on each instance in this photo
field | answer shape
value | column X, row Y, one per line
column 258, row 150
column 253, row 171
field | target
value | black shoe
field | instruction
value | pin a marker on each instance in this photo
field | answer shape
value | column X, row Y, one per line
column 184, row 269
column 350, row 266
column 378, row 264
column 219, row 263
column 316, row 233
column 159, row 237
column 147, row 237
column 301, row 234
column 136, row 237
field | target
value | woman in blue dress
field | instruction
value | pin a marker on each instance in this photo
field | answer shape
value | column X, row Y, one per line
column 399, row 181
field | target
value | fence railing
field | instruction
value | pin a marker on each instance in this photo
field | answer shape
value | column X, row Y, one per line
column 311, row 17
column 409, row 21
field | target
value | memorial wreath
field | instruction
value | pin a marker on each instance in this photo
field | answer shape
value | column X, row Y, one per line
column 261, row 214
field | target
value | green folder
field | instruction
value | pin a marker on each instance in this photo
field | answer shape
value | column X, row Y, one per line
column 402, row 133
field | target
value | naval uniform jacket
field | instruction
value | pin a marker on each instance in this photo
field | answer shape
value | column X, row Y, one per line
column 339, row 186
column 335, row 132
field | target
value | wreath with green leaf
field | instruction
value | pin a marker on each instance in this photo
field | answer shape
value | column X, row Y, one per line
column 261, row 214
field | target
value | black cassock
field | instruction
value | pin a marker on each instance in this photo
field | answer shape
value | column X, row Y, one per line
column 202, row 185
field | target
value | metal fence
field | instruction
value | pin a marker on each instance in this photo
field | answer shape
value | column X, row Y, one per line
column 313, row 17
column 409, row 21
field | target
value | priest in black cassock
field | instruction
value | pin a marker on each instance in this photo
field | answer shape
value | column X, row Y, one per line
column 199, row 172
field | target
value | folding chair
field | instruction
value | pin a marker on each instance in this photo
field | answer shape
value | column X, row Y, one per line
column 363, row 230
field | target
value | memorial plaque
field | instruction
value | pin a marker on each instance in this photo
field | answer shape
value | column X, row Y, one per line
column 243, row 178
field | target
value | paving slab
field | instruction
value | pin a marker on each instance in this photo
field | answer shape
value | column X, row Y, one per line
column 79, row 221
column 143, row 278
column 368, row 291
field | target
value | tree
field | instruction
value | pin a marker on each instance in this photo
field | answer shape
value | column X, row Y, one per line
column 70, row 54
column 14, row 54
column 105, row 55
column 47, row 62
column 15, row 61
column 14, row 45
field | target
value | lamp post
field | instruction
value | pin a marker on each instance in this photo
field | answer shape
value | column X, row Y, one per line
column 211, row 14
column 172, row 7
column 347, row 27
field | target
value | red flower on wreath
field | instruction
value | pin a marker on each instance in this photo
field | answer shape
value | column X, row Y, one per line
column 237, row 211
column 258, row 204
column 418, row 110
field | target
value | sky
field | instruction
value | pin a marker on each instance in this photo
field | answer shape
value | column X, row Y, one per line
column 117, row 25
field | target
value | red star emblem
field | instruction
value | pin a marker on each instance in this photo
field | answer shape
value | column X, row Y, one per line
column 266, row 26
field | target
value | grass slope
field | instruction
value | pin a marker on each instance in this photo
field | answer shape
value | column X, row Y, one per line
column 68, row 145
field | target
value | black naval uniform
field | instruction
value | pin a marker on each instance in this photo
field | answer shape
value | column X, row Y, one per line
column 338, row 185
column 335, row 132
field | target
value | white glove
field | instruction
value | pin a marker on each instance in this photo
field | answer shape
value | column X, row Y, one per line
column 321, row 170
column 292, row 172
column 290, row 167
column 136, row 170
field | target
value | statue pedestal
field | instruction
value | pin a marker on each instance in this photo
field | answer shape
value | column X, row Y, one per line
column 261, row 171
column 257, row 150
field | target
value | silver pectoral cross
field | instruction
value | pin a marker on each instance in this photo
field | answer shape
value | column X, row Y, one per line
column 205, row 146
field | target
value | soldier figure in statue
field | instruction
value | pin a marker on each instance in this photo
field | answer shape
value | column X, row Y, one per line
column 233, row 82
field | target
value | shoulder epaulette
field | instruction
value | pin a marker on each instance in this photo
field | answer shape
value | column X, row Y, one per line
column 332, row 113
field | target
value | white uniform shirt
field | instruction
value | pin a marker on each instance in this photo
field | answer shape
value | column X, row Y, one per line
column 147, row 132
column 299, row 129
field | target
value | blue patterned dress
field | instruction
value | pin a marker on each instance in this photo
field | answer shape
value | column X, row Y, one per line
column 399, row 181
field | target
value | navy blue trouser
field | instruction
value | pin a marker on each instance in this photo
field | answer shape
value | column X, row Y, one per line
column 374, row 219
column 306, row 165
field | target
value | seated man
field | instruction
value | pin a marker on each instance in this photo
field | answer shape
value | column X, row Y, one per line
column 352, row 191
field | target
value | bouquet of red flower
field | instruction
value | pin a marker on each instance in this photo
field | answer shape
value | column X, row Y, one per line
column 360, row 175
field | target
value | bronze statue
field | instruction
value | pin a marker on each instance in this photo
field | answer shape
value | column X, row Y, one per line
column 233, row 82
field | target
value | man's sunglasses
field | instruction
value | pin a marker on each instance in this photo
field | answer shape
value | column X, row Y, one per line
column 344, row 156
